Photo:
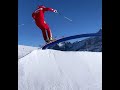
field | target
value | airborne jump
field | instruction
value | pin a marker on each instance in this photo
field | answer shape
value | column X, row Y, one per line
column 38, row 16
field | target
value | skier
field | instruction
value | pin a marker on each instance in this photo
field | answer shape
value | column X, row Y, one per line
column 38, row 16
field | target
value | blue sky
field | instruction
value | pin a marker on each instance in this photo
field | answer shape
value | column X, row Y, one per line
column 86, row 17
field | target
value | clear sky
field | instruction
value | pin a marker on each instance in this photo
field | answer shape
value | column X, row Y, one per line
column 86, row 17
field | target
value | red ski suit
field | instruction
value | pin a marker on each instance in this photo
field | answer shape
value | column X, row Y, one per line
column 38, row 15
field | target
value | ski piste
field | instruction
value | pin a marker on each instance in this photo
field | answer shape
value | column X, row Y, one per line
column 70, row 38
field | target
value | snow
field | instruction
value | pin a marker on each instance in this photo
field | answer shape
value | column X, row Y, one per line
column 24, row 50
column 60, row 70
column 60, row 44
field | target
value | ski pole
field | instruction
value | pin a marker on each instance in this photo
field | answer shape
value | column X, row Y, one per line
column 20, row 25
column 65, row 17
column 25, row 24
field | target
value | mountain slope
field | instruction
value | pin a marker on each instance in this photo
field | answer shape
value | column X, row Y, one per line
column 58, row 70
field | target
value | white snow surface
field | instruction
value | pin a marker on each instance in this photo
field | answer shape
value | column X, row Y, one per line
column 60, row 70
column 24, row 50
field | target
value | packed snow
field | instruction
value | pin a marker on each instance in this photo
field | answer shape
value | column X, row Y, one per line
column 24, row 50
column 60, row 70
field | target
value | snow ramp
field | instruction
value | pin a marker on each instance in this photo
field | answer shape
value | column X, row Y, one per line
column 60, row 70
column 25, row 50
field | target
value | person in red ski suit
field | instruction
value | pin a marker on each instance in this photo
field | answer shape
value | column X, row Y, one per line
column 38, row 16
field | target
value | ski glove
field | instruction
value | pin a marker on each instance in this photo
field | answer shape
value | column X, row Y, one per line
column 55, row 11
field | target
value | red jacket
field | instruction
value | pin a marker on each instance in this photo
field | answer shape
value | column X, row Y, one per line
column 38, row 15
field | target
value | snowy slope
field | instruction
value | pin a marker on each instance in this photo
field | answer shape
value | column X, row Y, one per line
column 24, row 50
column 58, row 70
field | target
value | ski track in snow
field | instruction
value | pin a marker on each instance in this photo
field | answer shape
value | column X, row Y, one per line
column 58, row 70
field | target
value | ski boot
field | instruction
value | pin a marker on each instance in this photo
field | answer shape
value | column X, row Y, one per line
column 47, row 41
column 52, row 39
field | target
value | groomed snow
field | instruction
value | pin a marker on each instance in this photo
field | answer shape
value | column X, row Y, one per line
column 24, row 50
column 59, row 70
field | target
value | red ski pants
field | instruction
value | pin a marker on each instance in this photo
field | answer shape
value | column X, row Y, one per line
column 46, row 32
